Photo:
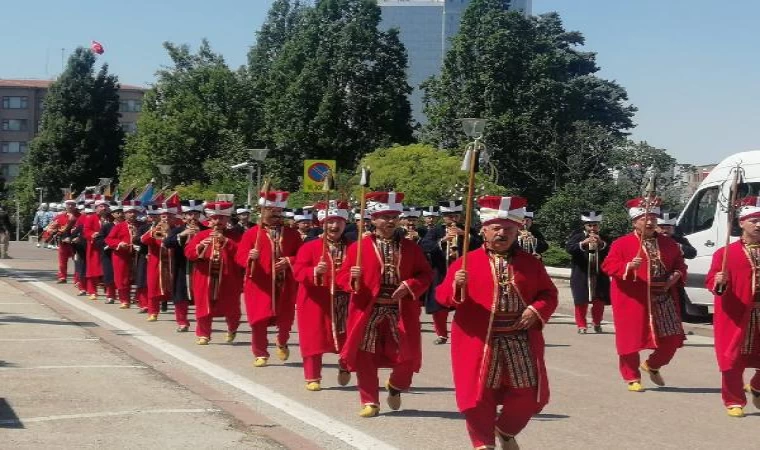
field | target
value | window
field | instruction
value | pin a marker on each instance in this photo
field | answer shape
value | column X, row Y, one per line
column 700, row 213
column 13, row 147
column 14, row 124
column 9, row 170
column 129, row 127
column 130, row 106
column 15, row 102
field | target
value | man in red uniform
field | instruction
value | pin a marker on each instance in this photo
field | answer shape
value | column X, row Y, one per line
column 267, row 253
column 383, row 325
column 91, row 233
column 216, row 278
column 62, row 225
column 737, row 310
column 503, row 300
column 121, row 242
column 645, row 270
column 160, row 269
column 322, row 306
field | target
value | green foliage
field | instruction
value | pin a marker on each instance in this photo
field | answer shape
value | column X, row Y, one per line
column 551, row 120
column 81, row 138
column 423, row 173
column 556, row 256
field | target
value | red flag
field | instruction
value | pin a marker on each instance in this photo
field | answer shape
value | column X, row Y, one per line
column 97, row 47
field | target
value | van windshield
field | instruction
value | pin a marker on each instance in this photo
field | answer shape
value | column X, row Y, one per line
column 700, row 214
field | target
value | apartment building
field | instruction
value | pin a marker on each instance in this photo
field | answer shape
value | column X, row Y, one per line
column 21, row 117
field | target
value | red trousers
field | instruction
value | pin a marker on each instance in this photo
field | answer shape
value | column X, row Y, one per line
column 312, row 367
column 65, row 253
column 732, row 389
column 203, row 325
column 440, row 323
column 142, row 297
column 519, row 405
column 124, row 296
column 180, row 313
column 597, row 312
column 260, row 340
column 629, row 364
column 92, row 287
column 154, row 304
column 368, row 381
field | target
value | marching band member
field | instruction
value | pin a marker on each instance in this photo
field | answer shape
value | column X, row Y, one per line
column 588, row 283
column 121, row 242
column 93, row 227
column 383, row 325
column 645, row 270
column 116, row 215
column 737, row 310
column 267, row 252
column 530, row 238
column 303, row 221
column 322, row 305
column 160, row 260
column 666, row 226
column 61, row 228
column 177, row 241
column 216, row 278
column 503, row 301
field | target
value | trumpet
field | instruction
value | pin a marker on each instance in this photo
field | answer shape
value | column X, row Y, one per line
column 527, row 241
column 411, row 233
column 217, row 240
column 593, row 240
column 160, row 230
column 451, row 248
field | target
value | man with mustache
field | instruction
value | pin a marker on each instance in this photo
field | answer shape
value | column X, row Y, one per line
column 322, row 306
column 266, row 254
column 502, row 301
column 645, row 270
column 737, row 310
column 383, row 325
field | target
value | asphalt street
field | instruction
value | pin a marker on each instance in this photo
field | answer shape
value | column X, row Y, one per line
column 80, row 373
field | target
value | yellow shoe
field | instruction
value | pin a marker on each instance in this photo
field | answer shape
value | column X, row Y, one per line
column 344, row 377
column 260, row 362
column 635, row 386
column 230, row 337
column 654, row 375
column 369, row 411
column 282, row 352
column 754, row 394
column 152, row 318
column 313, row 386
column 735, row 412
column 124, row 306
column 202, row 340
column 394, row 396
column 93, row 297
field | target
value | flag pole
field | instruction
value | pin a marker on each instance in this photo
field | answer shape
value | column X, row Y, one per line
column 364, row 183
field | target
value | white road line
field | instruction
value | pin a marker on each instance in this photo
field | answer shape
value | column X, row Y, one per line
column 106, row 414
column 310, row 416
column 80, row 366
column 19, row 303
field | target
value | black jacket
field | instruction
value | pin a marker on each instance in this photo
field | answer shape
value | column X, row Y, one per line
column 579, row 268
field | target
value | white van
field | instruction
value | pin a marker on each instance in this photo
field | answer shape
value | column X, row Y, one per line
column 704, row 220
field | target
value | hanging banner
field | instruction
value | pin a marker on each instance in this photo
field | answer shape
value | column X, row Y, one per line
column 314, row 172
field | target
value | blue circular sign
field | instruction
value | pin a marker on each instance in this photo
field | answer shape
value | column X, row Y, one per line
column 318, row 171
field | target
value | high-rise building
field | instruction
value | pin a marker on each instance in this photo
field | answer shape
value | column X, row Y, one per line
column 21, row 117
column 426, row 28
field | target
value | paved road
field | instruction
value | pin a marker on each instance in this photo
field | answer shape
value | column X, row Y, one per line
column 590, row 406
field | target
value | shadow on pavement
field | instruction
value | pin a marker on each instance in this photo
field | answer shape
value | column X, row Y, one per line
column 454, row 415
column 546, row 417
column 8, row 417
column 687, row 390
column 22, row 319
column 24, row 275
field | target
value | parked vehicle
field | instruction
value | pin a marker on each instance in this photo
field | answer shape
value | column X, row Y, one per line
column 704, row 222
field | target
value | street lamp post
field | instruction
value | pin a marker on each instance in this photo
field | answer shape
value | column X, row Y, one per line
column 42, row 191
column 258, row 155
column 166, row 172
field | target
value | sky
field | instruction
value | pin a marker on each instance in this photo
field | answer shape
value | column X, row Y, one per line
column 690, row 66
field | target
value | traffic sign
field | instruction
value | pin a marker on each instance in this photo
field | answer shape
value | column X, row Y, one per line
column 314, row 172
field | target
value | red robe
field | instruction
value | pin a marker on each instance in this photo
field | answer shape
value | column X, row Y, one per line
column 629, row 290
column 258, row 288
column 316, row 334
column 92, row 226
column 228, row 295
column 734, row 307
column 470, row 330
column 414, row 271
column 158, row 287
column 121, row 257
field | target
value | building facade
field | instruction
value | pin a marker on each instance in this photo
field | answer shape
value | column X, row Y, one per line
column 21, row 117
column 426, row 28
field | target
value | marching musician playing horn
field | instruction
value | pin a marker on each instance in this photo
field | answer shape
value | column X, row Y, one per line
column 216, row 278
column 120, row 241
column 588, row 283
column 61, row 227
column 530, row 238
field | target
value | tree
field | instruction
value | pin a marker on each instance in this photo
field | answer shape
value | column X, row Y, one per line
column 550, row 118
column 190, row 119
column 336, row 89
column 81, row 138
column 424, row 174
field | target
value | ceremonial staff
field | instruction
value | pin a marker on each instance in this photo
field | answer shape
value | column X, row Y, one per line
column 265, row 188
column 472, row 128
column 650, row 196
column 720, row 289
column 364, row 183
column 327, row 186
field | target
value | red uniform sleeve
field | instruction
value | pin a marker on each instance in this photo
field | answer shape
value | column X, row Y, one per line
column 343, row 277
column 191, row 249
column 445, row 293
column 546, row 299
column 422, row 274
column 245, row 246
column 303, row 268
column 616, row 264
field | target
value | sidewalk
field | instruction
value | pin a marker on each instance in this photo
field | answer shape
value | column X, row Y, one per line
column 63, row 387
